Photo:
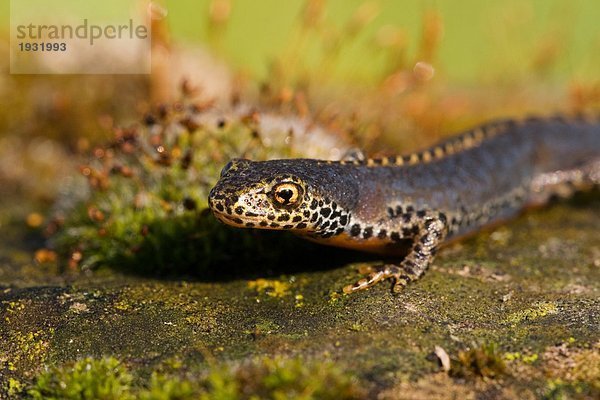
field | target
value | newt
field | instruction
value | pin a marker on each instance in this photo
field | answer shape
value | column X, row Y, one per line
column 480, row 177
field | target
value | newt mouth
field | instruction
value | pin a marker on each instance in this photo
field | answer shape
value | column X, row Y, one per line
column 240, row 221
column 230, row 220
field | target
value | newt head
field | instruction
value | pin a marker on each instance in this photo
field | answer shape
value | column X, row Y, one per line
column 300, row 195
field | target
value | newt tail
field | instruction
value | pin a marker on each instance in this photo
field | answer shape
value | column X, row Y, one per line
column 480, row 177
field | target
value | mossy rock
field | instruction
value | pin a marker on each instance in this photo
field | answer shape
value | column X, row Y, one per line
column 529, row 289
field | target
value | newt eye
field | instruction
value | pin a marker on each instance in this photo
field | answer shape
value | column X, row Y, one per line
column 287, row 194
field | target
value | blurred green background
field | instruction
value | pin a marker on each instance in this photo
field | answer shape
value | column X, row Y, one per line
column 481, row 40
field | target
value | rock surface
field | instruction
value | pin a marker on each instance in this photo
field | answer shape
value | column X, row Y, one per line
column 524, row 295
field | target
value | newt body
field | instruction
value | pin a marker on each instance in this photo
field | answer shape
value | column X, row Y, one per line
column 480, row 177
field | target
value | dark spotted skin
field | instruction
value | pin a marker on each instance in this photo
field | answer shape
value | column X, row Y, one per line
column 480, row 177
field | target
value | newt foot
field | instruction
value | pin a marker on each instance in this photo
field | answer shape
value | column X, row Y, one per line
column 379, row 273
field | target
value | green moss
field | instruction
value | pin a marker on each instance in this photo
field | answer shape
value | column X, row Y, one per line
column 528, row 359
column 262, row 378
column 15, row 387
column 143, row 207
column 485, row 362
column 271, row 287
column 170, row 388
column 512, row 356
column 265, row 327
column 558, row 389
column 280, row 378
column 356, row 327
column 13, row 307
column 26, row 351
column 86, row 379
column 531, row 314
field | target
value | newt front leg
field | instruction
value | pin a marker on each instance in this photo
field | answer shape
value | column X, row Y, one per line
column 432, row 231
